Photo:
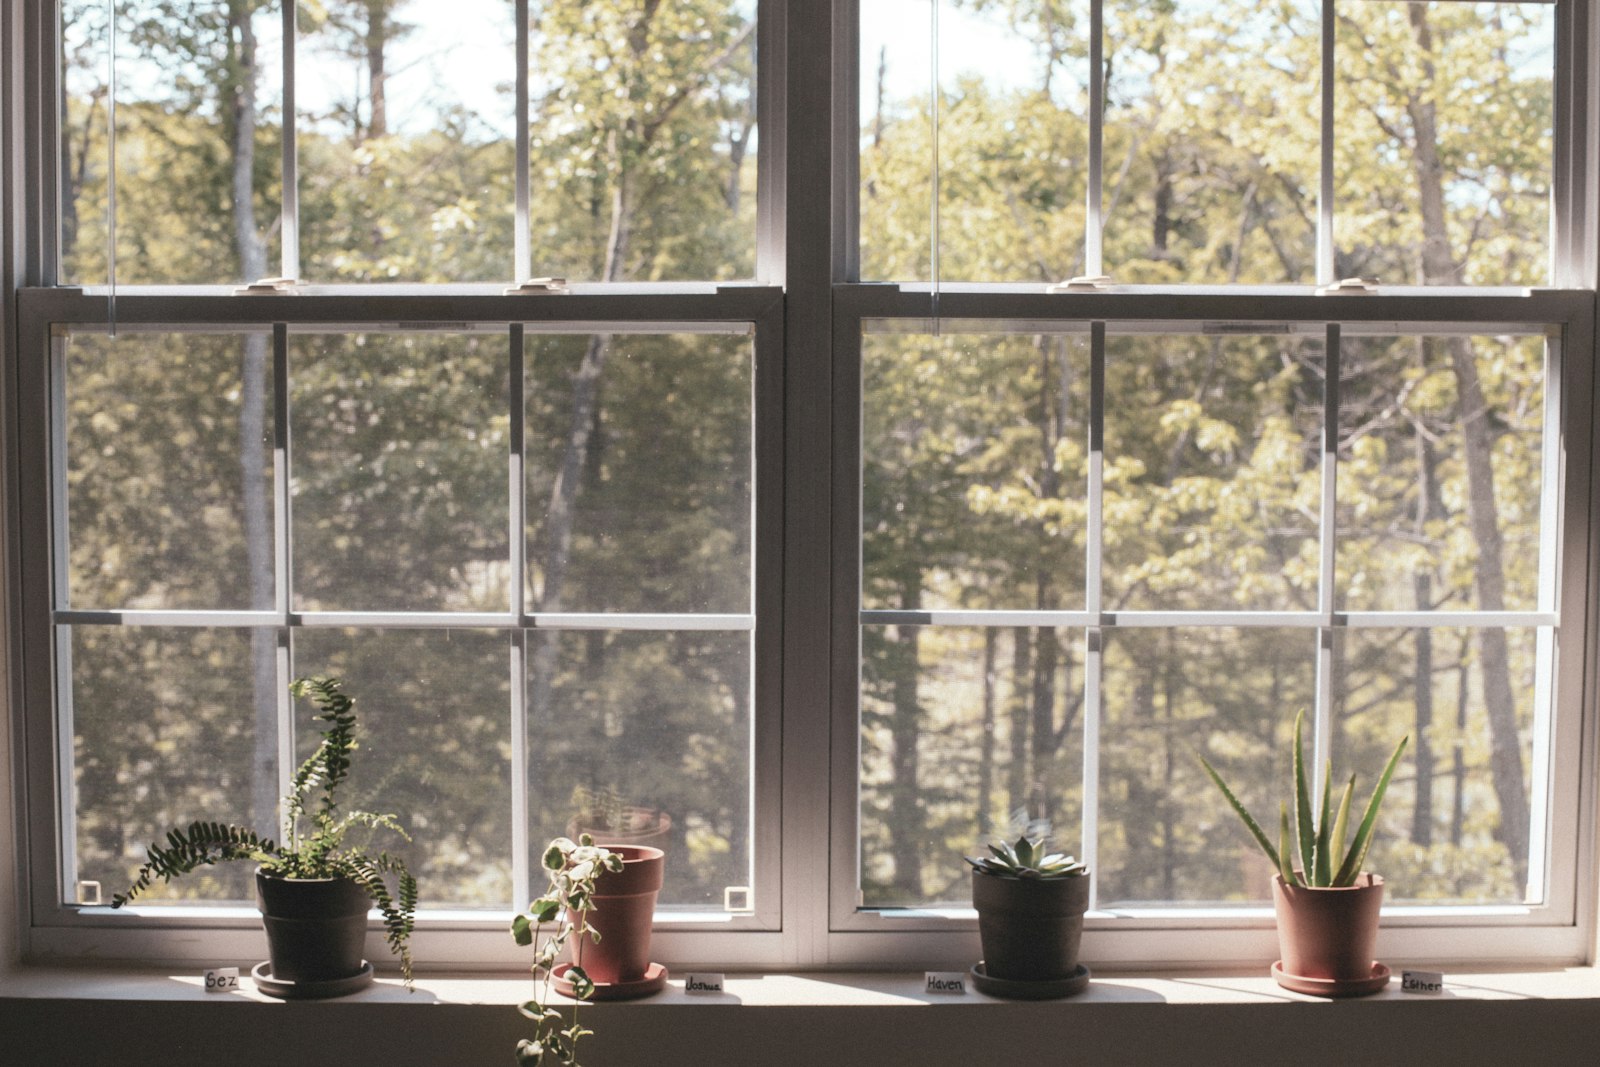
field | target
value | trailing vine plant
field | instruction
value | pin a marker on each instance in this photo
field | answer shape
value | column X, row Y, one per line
column 571, row 868
column 313, row 831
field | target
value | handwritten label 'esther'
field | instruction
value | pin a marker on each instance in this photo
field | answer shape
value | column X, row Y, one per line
column 222, row 979
column 702, row 983
column 953, row 983
column 1421, row 982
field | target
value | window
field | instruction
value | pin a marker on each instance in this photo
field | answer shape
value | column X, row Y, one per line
column 823, row 535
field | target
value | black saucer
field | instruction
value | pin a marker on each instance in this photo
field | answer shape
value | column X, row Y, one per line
column 1050, row 989
column 284, row 989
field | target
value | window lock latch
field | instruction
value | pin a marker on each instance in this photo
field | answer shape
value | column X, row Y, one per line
column 1350, row 287
column 539, row 286
column 1083, row 283
column 267, row 287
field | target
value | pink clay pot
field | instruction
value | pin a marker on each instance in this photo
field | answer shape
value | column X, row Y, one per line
column 624, row 909
column 1329, row 933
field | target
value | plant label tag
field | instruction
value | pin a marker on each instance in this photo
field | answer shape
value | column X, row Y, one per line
column 947, row 983
column 702, row 984
column 222, row 979
column 1431, row 982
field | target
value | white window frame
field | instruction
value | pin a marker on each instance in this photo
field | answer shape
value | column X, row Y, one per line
column 809, row 346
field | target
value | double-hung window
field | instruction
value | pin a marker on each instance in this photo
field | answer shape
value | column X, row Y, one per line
column 817, row 436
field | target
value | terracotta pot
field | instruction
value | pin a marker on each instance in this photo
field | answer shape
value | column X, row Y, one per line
column 316, row 927
column 624, row 908
column 1329, row 933
column 640, row 826
column 1030, row 927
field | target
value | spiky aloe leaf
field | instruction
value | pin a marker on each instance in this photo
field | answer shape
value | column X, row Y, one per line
column 1284, row 870
column 1358, row 848
column 1323, row 867
column 1302, row 804
column 1341, row 823
column 1244, row 816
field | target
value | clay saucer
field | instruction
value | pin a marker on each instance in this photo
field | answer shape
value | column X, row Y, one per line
column 1333, row 987
column 654, row 981
column 284, row 989
column 1050, row 989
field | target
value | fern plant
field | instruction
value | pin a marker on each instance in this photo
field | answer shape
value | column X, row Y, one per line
column 571, row 870
column 1320, row 844
column 314, row 831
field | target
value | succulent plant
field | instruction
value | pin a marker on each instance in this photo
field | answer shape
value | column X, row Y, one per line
column 1027, row 859
column 1320, row 844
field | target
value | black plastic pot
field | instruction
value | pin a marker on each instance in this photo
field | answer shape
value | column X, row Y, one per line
column 1030, row 927
column 316, row 927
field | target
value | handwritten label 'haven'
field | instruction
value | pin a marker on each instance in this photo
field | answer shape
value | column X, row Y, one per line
column 1421, row 982
column 952, row 983
column 702, row 983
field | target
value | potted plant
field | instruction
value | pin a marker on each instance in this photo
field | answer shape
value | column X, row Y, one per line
column 595, row 896
column 313, row 890
column 1030, row 906
column 1327, row 907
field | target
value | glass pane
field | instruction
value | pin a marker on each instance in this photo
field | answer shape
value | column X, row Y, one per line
column 169, row 728
column 640, row 459
column 199, row 108
column 974, row 470
column 1455, row 823
column 646, row 738
column 1166, row 834
column 407, row 140
column 1012, row 141
column 400, row 445
column 434, row 725
column 644, row 140
column 1440, row 473
column 966, row 734
column 1442, row 148
column 168, row 471
column 1212, row 140
column 1213, row 472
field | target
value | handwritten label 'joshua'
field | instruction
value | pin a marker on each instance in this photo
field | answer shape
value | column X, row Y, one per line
column 951, row 983
column 702, row 983
column 1421, row 982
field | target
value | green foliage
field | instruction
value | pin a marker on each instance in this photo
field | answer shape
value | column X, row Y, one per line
column 1027, row 859
column 319, row 853
column 571, row 870
column 1319, row 842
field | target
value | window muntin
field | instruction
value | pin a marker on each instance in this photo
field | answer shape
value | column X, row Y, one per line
column 1213, row 450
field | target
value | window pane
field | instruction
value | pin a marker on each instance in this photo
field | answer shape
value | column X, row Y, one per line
column 966, row 734
column 1212, row 472
column 1455, row 824
column 1443, row 161
column 1012, row 141
column 168, row 471
column 1440, row 473
column 644, row 140
column 1212, row 135
column 434, row 725
column 407, row 134
column 1166, row 834
column 400, row 444
column 974, row 470
column 639, row 457
column 199, row 132
column 650, row 733
column 169, row 728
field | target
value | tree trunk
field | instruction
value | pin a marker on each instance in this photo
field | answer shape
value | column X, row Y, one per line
column 1429, row 507
column 906, row 830
column 375, row 43
column 1021, row 686
column 986, row 738
column 1505, row 761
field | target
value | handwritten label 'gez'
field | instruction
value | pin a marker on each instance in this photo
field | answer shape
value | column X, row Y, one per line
column 222, row 979
column 951, row 983
column 702, row 983
column 1421, row 982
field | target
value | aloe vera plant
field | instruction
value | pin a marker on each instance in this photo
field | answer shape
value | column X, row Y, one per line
column 1319, row 842
column 1026, row 859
